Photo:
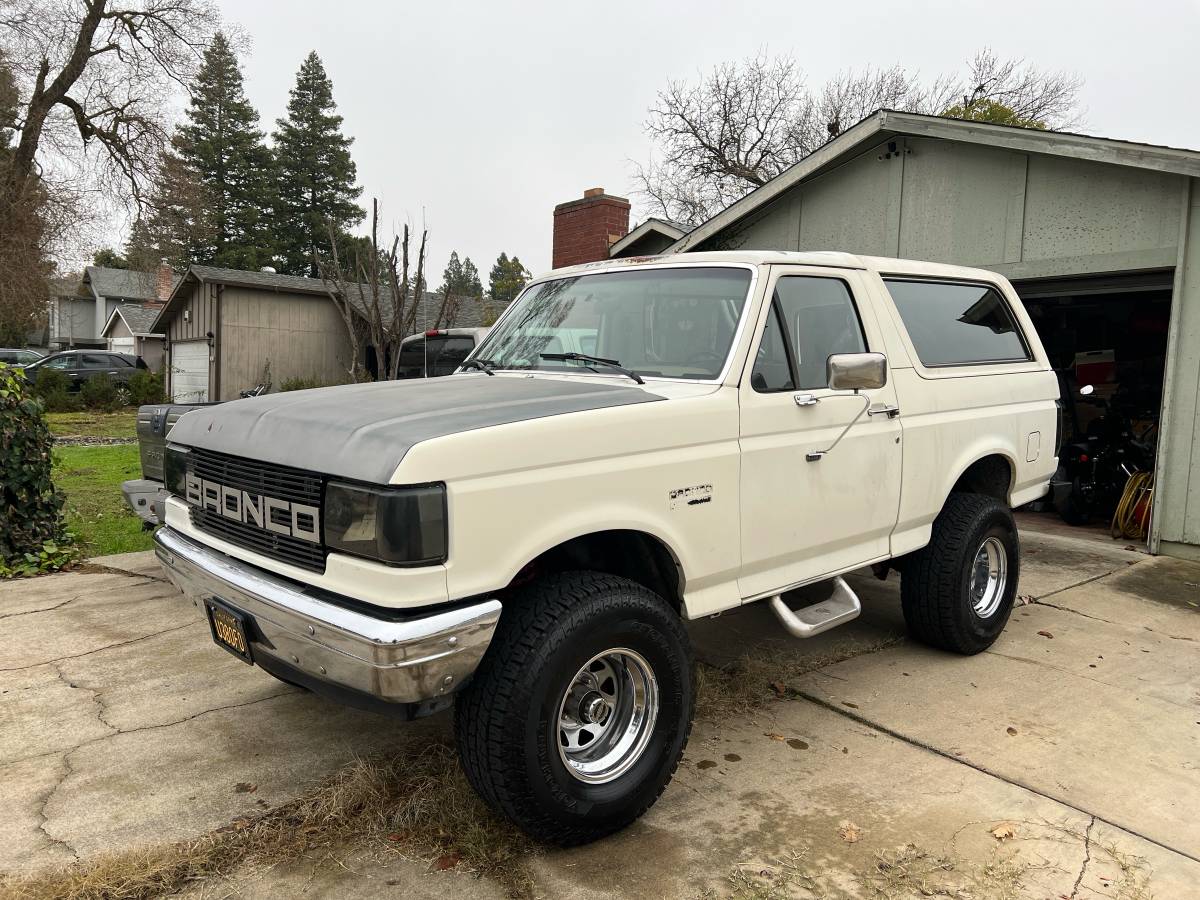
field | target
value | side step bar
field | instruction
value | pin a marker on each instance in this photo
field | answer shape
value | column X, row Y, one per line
column 809, row 621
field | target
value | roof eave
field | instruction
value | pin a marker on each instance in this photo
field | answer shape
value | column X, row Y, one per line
column 780, row 184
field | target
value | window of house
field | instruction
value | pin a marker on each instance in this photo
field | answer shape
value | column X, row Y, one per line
column 814, row 317
column 955, row 324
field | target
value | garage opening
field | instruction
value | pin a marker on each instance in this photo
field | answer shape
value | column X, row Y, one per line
column 1106, row 336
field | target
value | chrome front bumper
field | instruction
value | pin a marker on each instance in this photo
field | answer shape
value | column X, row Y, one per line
column 422, row 658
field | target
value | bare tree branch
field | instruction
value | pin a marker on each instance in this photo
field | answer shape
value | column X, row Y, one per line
column 742, row 124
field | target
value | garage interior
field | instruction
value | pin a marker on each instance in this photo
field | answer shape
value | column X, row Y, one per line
column 1108, row 332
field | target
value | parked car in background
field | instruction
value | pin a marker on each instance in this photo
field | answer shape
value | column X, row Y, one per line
column 80, row 365
column 437, row 352
column 14, row 356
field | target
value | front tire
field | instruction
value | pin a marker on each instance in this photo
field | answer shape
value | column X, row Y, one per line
column 578, row 714
column 958, row 591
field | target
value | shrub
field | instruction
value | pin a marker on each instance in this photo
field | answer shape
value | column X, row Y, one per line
column 99, row 392
column 301, row 384
column 32, row 538
column 145, row 387
column 51, row 386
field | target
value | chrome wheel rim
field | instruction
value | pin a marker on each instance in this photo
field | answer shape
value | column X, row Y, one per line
column 989, row 577
column 606, row 716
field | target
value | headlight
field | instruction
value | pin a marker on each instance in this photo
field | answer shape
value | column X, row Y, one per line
column 175, row 469
column 402, row 526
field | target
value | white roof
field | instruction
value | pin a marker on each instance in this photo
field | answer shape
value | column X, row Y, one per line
column 826, row 258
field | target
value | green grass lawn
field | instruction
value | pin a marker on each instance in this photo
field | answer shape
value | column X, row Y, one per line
column 122, row 423
column 90, row 478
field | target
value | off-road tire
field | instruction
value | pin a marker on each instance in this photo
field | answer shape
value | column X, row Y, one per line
column 506, row 718
column 934, row 585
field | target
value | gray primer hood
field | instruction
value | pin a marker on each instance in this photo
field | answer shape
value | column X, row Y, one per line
column 363, row 431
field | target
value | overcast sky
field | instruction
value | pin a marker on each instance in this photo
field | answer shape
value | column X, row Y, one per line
column 479, row 117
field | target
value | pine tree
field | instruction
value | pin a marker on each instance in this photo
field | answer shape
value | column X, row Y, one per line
column 316, row 174
column 219, row 180
column 506, row 279
column 461, row 278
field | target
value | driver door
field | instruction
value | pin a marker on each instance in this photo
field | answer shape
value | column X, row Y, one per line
column 803, row 519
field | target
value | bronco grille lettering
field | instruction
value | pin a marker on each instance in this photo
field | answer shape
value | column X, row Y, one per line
column 298, row 520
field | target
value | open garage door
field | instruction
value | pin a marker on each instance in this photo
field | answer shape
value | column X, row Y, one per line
column 1107, row 333
column 189, row 372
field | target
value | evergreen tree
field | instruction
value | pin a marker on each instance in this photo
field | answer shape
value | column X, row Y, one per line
column 218, row 181
column 316, row 173
column 506, row 279
column 109, row 258
column 461, row 278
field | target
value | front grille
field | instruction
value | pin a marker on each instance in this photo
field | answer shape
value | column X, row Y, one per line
column 258, row 478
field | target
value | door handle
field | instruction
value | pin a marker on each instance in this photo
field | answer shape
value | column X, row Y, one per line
column 806, row 399
column 890, row 411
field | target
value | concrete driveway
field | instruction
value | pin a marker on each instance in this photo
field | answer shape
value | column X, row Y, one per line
column 1065, row 762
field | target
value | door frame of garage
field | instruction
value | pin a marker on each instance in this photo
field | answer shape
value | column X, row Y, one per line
column 170, row 363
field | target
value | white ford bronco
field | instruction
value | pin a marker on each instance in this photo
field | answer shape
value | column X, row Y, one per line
column 635, row 444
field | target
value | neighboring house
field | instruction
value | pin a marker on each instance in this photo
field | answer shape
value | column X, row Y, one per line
column 224, row 326
column 650, row 238
column 81, row 308
column 1100, row 237
column 130, row 330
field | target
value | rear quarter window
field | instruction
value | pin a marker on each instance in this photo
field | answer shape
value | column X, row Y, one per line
column 958, row 323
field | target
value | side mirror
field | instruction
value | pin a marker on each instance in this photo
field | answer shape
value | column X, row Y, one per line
column 856, row 371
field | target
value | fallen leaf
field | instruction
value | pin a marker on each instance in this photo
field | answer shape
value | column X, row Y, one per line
column 449, row 861
column 779, row 688
column 1046, row 634
column 1024, row 599
column 1012, row 732
column 773, row 735
column 849, row 832
column 1004, row 831
column 244, row 787
column 394, row 838
column 849, row 704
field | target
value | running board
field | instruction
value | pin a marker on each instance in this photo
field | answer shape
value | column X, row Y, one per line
column 809, row 621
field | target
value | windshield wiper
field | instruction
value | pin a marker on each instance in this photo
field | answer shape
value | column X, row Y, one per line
column 598, row 360
column 480, row 364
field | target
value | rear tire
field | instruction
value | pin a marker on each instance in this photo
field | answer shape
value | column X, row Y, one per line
column 579, row 660
column 958, row 591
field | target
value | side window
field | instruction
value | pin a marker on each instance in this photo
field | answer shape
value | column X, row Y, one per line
column 957, row 324
column 820, row 319
column 772, row 371
column 96, row 361
column 62, row 362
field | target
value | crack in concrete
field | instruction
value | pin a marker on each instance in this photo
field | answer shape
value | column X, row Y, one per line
column 43, row 802
column 144, row 637
column 1068, row 609
column 31, row 612
column 1087, row 857
column 100, row 711
column 120, row 731
column 979, row 767
column 69, row 768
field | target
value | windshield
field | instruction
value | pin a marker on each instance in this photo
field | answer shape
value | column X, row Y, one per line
column 661, row 323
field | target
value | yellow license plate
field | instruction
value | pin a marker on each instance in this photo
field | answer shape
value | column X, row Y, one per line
column 229, row 630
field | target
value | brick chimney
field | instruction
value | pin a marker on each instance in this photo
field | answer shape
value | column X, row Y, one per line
column 585, row 229
column 163, row 282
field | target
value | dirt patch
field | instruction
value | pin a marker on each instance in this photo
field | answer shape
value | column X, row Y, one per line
column 754, row 680
column 417, row 802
